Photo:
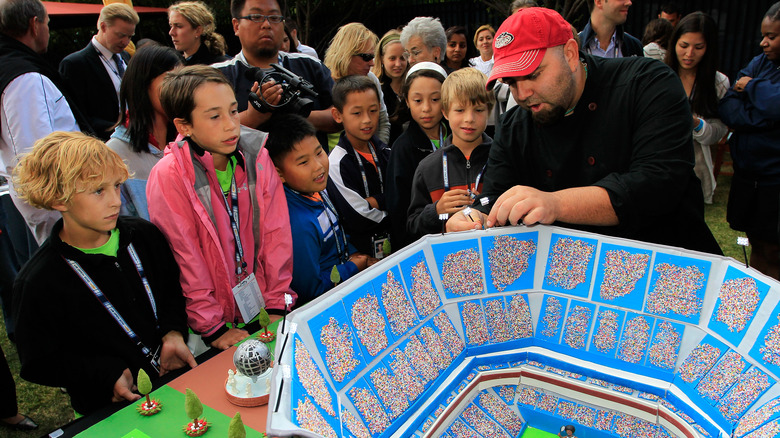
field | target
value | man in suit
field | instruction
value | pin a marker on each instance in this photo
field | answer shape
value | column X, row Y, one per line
column 95, row 72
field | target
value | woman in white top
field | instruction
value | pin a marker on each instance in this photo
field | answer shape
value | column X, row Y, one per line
column 693, row 55
column 656, row 38
column 483, row 40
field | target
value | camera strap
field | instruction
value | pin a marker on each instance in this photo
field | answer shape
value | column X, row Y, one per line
column 363, row 169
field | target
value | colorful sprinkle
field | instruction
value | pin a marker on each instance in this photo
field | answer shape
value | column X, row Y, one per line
column 496, row 320
column 422, row 361
column 528, row 396
column 407, row 379
column 370, row 324
column 634, row 340
column 309, row 418
column 553, row 311
column 459, row 429
column 451, row 339
column 548, row 402
column 738, row 303
column 676, row 290
column 367, row 404
column 474, row 321
column 566, row 409
column 569, row 263
column 604, row 419
column 622, row 270
column 585, row 415
column 577, row 327
column 502, row 413
column 397, row 306
column 519, row 318
column 462, row 272
column 311, row 379
column 389, row 392
column 747, row 390
column 605, row 338
column 771, row 349
column 507, row 392
column 769, row 430
column 666, row 344
column 699, row 362
column 439, row 353
column 758, row 417
column 482, row 423
column 354, row 426
column 339, row 354
column 509, row 260
column 722, row 377
column 424, row 295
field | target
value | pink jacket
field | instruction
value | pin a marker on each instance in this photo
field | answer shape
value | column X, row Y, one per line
column 186, row 203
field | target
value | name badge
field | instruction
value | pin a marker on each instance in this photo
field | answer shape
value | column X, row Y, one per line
column 248, row 297
column 378, row 243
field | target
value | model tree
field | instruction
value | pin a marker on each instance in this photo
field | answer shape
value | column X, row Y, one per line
column 150, row 406
column 236, row 428
column 194, row 409
column 264, row 320
column 335, row 277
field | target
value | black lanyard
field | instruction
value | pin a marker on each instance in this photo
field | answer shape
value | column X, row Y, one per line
column 445, row 172
column 233, row 214
column 363, row 170
column 112, row 310
column 329, row 208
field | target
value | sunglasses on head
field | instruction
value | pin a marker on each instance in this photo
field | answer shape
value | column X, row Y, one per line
column 365, row 56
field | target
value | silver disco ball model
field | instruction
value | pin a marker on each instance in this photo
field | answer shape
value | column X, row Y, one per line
column 252, row 358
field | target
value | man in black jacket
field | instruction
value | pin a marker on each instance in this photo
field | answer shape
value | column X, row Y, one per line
column 602, row 145
column 95, row 72
column 604, row 36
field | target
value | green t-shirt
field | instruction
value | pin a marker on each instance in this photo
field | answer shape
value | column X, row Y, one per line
column 225, row 177
column 436, row 144
column 109, row 248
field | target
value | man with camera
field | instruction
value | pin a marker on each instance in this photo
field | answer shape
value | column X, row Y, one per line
column 259, row 25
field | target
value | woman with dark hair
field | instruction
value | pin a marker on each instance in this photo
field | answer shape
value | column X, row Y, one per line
column 455, row 55
column 693, row 54
column 192, row 33
column 751, row 109
column 144, row 130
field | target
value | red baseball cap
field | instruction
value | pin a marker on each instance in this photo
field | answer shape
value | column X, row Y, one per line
column 523, row 39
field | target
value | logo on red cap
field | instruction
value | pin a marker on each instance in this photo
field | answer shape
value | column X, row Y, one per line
column 504, row 40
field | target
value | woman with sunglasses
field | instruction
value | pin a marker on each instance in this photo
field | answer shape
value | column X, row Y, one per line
column 351, row 52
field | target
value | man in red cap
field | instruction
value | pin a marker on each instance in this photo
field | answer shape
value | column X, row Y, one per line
column 602, row 145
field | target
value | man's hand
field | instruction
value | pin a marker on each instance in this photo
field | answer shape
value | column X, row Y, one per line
column 461, row 222
column 230, row 338
column 741, row 83
column 272, row 93
column 526, row 204
column 123, row 388
column 453, row 201
column 174, row 353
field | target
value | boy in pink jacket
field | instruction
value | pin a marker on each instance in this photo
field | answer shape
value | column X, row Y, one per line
column 218, row 199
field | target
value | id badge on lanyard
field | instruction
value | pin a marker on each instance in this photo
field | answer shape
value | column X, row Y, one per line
column 248, row 297
column 378, row 245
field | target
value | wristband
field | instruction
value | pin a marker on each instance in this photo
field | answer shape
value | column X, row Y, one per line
column 699, row 126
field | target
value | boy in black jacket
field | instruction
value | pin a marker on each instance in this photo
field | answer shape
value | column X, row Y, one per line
column 358, row 164
column 450, row 178
column 101, row 297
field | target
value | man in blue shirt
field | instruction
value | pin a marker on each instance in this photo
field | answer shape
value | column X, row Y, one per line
column 603, row 35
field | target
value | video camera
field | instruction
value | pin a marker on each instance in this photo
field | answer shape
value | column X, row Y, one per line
column 294, row 88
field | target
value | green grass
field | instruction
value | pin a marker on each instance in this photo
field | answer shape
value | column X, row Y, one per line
column 51, row 408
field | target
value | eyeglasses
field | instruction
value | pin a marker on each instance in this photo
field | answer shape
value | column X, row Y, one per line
column 366, row 57
column 259, row 18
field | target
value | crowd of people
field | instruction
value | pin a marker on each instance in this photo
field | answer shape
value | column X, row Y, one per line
column 158, row 201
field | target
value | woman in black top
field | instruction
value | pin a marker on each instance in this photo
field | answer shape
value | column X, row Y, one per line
column 192, row 33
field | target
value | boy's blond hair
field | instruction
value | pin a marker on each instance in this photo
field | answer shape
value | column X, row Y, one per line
column 63, row 164
column 466, row 85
